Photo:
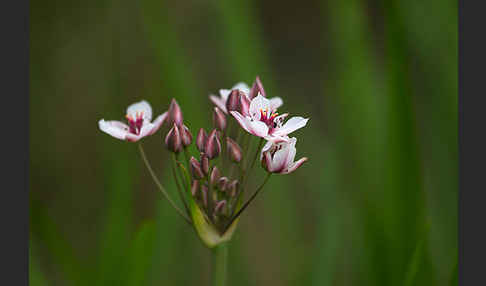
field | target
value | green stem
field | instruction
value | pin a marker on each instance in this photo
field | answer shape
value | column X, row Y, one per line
column 247, row 202
column 159, row 185
column 220, row 264
column 179, row 187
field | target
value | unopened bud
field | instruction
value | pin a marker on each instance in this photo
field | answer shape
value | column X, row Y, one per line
column 219, row 119
column 174, row 115
column 260, row 86
column 233, row 187
column 256, row 88
column 243, row 105
column 213, row 146
column 219, row 206
column 234, row 150
column 215, row 175
column 205, row 164
column 173, row 139
column 223, row 183
column 196, row 168
column 204, row 192
column 186, row 136
column 194, row 188
column 232, row 101
column 201, row 139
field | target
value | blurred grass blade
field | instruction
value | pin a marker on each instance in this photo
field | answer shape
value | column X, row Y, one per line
column 36, row 277
column 142, row 254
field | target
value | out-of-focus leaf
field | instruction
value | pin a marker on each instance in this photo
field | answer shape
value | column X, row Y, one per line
column 142, row 254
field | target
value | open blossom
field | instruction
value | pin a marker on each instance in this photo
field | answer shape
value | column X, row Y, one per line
column 279, row 157
column 139, row 116
column 220, row 102
column 264, row 121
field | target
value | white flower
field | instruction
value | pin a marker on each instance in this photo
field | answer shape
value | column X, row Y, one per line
column 220, row 102
column 264, row 121
column 279, row 157
column 138, row 116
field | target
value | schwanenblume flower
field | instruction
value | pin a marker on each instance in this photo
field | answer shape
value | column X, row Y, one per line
column 139, row 116
column 279, row 157
column 264, row 121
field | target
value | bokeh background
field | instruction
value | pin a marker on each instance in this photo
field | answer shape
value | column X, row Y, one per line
column 375, row 205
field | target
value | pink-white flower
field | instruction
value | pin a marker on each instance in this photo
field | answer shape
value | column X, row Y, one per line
column 279, row 157
column 220, row 102
column 138, row 116
column 264, row 121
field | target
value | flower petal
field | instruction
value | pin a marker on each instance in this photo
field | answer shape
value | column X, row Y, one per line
column 158, row 122
column 291, row 125
column 242, row 87
column 114, row 128
column 265, row 148
column 292, row 151
column 241, row 120
column 220, row 102
column 295, row 165
column 257, row 128
column 279, row 160
column 141, row 106
column 275, row 102
column 257, row 104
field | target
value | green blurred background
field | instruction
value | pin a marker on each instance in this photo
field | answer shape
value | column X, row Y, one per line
column 375, row 205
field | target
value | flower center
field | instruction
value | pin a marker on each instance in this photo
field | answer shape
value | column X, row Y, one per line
column 136, row 123
column 268, row 117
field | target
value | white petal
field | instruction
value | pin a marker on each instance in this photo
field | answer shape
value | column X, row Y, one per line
column 291, row 125
column 141, row 106
column 219, row 102
column 291, row 149
column 279, row 160
column 243, row 121
column 158, row 122
column 257, row 128
column 275, row 102
column 257, row 104
column 146, row 129
column 116, row 129
column 224, row 94
column 242, row 87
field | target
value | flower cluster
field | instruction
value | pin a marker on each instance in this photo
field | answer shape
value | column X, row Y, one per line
column 213, row 177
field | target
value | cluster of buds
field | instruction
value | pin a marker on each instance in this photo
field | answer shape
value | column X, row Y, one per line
column 213, row 177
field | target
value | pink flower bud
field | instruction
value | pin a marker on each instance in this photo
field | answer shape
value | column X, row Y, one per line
column 196, row 168
column 219, row 119
column 214, row 178
column 194, row 188
column 223, row 183
column 243, row 105
column 255, row 88
column 201, row 139
column 219, row 206
column 186, row 136
column 234, row 150
column 232, row 101
column 174, row 114
column 204, row 192
column 205, row 163
column 213, row 146
column 173, row 139
column 233, row 187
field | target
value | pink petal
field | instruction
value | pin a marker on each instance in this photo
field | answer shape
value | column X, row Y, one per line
column 158, row 122
column 219, row 102
column 291, row 125
column 114, row 128
column 295, row 165
column 265, row 148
